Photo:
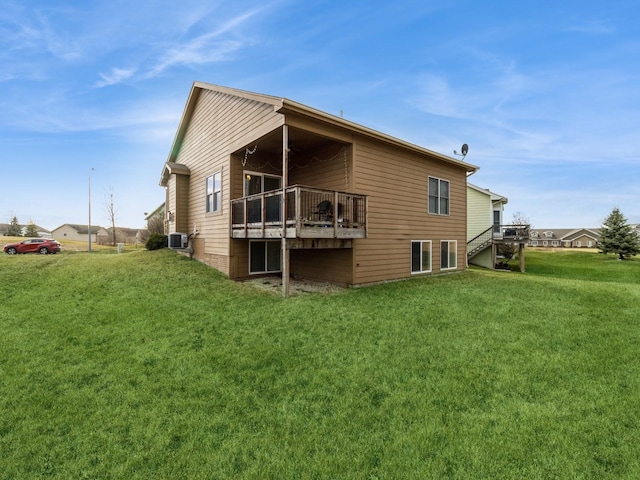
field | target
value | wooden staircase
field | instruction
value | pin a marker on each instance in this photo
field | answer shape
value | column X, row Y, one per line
column 479, row 243
column 497, row 235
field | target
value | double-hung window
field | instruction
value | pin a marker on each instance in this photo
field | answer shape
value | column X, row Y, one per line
column 420, row 256
column 214, row 193
column 438, row 196
column 448, row 256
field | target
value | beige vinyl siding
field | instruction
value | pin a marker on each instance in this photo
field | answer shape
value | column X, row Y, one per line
column 218, row 121
column 181, row 211
column 325, row 265
column 479, row 212
column 396, row 182
column 330, row 169
column 171, row 204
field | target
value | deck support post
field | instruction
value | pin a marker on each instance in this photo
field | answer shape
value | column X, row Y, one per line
column 284, row 251
column 494, row 254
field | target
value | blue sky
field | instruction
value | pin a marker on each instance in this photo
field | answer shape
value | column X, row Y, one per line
column 546, row 94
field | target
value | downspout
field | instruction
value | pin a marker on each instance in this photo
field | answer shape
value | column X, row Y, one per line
column 285, row 181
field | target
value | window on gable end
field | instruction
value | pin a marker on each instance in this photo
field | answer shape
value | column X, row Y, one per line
column 214, row 193
column 438, row 196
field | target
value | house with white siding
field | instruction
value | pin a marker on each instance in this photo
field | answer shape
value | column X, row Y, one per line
column 486, row 230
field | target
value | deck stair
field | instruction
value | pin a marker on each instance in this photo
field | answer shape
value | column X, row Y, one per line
column 479, row 243
column 498, row 234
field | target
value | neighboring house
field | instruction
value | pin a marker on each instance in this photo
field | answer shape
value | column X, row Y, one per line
column 486, row 229
column 123, row 235
column 565, row 237
column 360, row 206
column 70, row 231
column 156, row 220
column 42, row 232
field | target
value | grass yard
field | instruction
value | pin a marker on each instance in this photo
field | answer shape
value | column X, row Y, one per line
column 147, row 365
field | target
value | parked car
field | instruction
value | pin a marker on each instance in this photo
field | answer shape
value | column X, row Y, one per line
column 33, row 245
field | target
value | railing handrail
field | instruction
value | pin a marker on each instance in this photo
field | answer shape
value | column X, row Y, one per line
column 343, row 210
column 481, row 234
column 291, row 188
column 486, row 237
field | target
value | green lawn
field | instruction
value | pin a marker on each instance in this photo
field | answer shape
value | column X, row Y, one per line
column 147, row 365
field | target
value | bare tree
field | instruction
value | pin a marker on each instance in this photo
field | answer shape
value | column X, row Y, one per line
column 111, row 212
column 520, row 218
column 508, row 250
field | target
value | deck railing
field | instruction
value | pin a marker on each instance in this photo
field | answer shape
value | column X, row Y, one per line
column 310, row 213
column 495, row 234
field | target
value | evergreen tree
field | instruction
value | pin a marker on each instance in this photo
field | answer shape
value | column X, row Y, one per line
column 31, row 230
column 616, row 236
column 14, row 230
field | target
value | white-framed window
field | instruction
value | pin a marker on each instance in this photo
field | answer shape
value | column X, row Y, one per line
column 554, row 243
column 548, row 234
column 497, row 221
column 420, row 256
column 534, row 243
column 534, row 234
column 448, row 254
column 589, row 243
column 578, row 243
column 214, row 193
column 438, row 196
column 264, row 256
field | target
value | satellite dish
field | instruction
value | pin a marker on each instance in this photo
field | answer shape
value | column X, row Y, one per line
column 464, row 151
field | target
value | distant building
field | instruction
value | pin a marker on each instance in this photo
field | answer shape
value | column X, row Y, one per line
column 70, row 231
column 123, row 235
column 42, row 232
column 565, row 237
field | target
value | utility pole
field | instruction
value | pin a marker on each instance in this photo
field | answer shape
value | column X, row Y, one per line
column 89, row 226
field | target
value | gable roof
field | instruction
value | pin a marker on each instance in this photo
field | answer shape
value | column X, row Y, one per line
column 129, row 232
column 494, row 196
column 565, row 234
column 80, row 229
column 284, row 106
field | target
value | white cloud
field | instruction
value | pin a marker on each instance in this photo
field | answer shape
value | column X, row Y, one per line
column 116, row 75
column 206, row 48
column 592, row 28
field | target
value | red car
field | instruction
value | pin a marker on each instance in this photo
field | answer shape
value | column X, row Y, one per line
column 33, row 245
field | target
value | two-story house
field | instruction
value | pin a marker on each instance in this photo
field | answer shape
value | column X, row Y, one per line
column 486, row 230
column 258, row 184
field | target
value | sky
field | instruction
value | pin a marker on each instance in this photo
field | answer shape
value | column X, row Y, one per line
column 546, row 94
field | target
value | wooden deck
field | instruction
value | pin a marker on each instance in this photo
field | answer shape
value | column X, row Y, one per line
column 500, row 235
column 310, row 213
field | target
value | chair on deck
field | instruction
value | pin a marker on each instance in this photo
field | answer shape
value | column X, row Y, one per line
column 325, row 211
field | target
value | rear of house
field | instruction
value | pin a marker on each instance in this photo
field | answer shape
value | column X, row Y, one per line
column 261, row 184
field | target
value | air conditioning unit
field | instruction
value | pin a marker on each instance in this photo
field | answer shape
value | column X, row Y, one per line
column 178, row 240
